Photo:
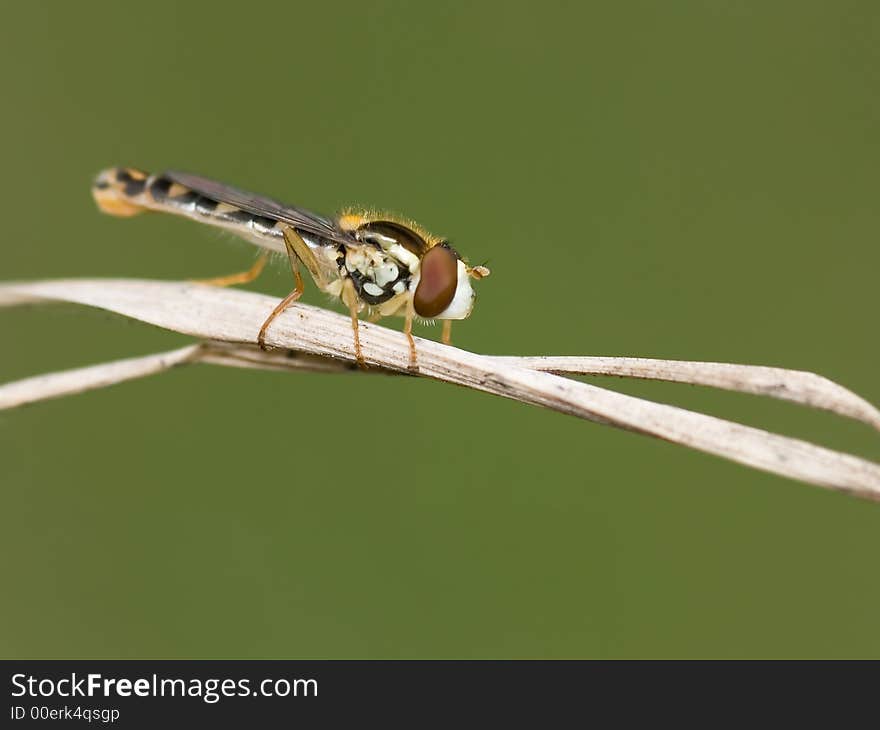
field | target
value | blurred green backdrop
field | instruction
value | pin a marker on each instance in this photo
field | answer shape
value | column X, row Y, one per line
column 689, row 180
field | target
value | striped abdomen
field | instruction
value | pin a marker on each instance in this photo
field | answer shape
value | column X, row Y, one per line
column 126, row 191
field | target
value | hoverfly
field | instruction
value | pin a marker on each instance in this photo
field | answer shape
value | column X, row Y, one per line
column 379, row 263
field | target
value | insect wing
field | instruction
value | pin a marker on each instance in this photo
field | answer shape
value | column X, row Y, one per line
column 298, row 218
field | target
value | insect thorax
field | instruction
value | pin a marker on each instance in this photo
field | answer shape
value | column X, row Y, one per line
column 376, row 274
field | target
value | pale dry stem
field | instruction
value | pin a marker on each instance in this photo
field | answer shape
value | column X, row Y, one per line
column 309, row 338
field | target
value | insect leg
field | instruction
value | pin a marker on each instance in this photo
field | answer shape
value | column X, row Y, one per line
column 242, row 277
column 289, row 237
column 349, row 298
column 446, row 339
column 407, row 330
column 297, row 249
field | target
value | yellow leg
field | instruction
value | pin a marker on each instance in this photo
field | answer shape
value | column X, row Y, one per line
column 407, row 330
column 243, row 277
column 295, row 246
column 349, row 298
column 285, row 303
column 290, row 298
column 447, row 332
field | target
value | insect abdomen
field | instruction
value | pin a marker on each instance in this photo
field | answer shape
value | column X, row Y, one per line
column 116, row 191
column 127, row 191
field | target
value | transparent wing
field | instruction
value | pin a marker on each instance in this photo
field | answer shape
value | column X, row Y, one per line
column 299, row 218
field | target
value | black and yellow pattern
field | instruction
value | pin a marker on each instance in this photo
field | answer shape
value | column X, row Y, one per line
column 383, row 263
column 127, row 191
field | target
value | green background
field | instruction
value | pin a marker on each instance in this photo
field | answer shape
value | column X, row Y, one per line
column 693, row 180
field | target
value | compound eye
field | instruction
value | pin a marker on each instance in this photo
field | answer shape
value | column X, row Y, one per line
column 439, row 279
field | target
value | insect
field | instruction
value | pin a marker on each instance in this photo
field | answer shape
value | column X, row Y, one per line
column 379, row 263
